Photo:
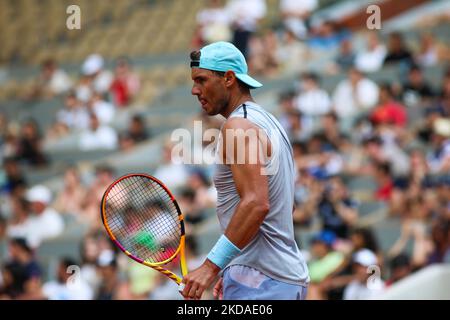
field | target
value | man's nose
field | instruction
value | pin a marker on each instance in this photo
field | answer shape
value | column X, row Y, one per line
column 195, row 91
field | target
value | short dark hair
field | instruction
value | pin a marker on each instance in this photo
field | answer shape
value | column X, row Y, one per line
column 195, row 55
column 311, row 76
column 384, row 167
column 22, row 243
column 373, row 139
column 67, row 262
column 402, row 260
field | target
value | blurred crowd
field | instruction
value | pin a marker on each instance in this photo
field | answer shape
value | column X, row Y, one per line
column 393, row 135
column 90, row 111
column 297, row 38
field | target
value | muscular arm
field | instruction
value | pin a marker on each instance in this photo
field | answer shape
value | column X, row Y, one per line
column 251, row 185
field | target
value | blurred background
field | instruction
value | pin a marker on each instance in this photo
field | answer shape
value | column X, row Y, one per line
column 367, row 112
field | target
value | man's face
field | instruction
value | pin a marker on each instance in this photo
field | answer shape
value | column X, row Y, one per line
column 210, row 90
column 319, row 249
column 360, row 272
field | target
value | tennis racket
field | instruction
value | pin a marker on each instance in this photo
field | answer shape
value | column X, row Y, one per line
column 142, row 217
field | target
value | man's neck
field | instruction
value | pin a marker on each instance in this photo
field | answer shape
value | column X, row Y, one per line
column 235, row 102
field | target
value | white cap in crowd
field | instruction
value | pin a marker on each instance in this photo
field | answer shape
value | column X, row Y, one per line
column 365, row 257
column 92, row 64
column 39, row 193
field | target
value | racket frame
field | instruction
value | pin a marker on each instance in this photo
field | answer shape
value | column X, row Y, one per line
column 156, row 265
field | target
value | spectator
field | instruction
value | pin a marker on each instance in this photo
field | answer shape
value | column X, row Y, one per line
column 295, row 15
column 361, row 288
column 109, row 276
column 334, row 285
column 414, row 225
column 416, row 88
column 13, row 278
column 245, row 17
column 372, row 58
column 51, row 81
column 442, row 189
column 171, row 170
column 89, row 252
column 29, row 148
column 354, row 95
column 398, row 52
column 297, row 127
column 193, row 214
column 439, row 157
column 9, row 145
column 137, row 129
column 323, row 161
column 412, row 187
column 308, row 192
column 102, row 109
column 440, row 236
column 325, row 260
column 213, row 24
column 104, row 176
column 312, row 100
column 125, row 85
column 388, row 111
column 291, row 54
column 326, row 37
column 14, row 177
column 22, row 274
column 205, row 195
column 21, row 253
column 98, row 137
column 444, row 91
column 19, row 214
column 400, row 267
column 345, row 59
column 381, row 151
column 336, row 209
column 263, row 59
column 70, row 199
column 67, row 286
column 383, row 177
column 428, row 54
column 73, row 117
column 3, row 224
column 97, row 77
column 44, row 222
column 135, row 133
column 83, row 89
column 330, row 129
column 364, row 238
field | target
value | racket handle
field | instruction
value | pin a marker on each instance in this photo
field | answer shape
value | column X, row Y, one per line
column 181, row 287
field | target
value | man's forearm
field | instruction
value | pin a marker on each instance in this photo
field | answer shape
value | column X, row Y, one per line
column 246, row 221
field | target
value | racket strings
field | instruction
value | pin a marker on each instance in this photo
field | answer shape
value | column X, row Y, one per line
column 143, row 218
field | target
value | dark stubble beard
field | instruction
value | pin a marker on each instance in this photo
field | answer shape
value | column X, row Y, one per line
column 222, row 105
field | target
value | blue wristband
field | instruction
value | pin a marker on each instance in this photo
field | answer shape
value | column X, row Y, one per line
column 223, row 252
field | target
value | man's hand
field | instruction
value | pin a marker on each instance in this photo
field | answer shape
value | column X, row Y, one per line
column 218, row 289
column 199, row 280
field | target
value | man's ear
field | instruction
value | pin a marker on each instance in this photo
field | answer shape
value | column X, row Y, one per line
column 230, row 78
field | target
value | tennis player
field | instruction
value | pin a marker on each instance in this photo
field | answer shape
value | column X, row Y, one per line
column 256, row 256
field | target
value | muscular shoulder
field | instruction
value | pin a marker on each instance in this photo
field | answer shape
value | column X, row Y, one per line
column 238, row 123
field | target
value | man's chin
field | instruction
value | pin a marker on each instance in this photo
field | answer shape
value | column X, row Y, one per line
column 211, row 113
